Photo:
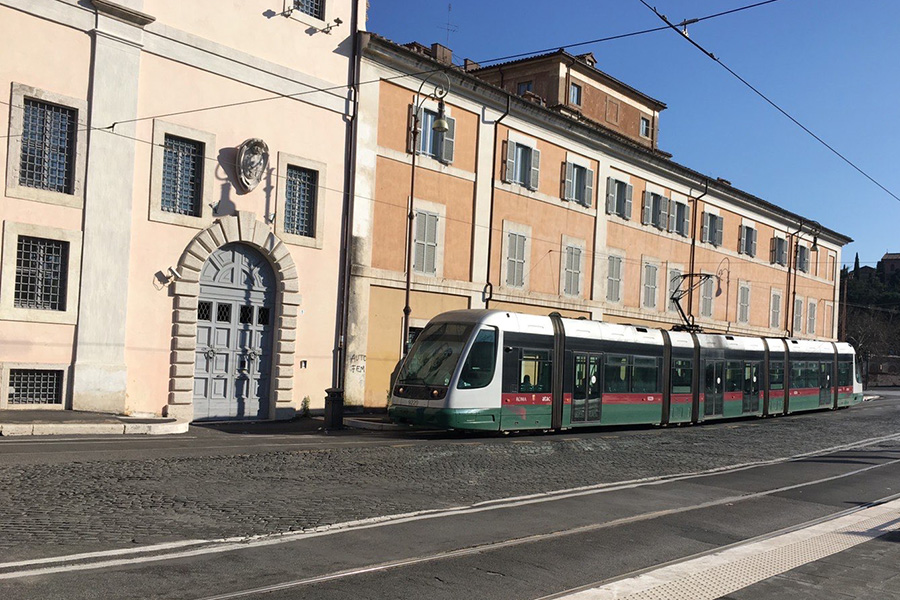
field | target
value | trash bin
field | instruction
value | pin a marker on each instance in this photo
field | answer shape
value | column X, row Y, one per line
column 334, row 408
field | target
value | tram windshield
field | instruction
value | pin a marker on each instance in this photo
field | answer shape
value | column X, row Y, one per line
column 435, row 354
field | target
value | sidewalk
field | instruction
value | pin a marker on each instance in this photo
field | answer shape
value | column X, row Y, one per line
column 72, row 422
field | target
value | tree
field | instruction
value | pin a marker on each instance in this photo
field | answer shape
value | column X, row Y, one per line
column 856, row 265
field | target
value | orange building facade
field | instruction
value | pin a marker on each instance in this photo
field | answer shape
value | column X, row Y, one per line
column 554, row 197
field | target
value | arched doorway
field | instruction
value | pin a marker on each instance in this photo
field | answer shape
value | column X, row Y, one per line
column 235, row 318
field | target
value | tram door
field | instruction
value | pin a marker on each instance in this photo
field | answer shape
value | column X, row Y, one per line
column 751, row 387
column 714, row 381
column 586, row 399
column 825, row 393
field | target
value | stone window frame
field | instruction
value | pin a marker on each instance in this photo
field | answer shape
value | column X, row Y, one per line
column 18, row 93
column 6, row 367
column 649, row 127
column 284, row 161
column 8, row 310
column 160, row 130
column 619, row 254
column 243, row 227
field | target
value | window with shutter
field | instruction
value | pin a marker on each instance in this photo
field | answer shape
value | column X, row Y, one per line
column 572, row 274
column 534, row 176
column 811, row 318
column 650, row 272
column 515, row 264
column 618, row 197
column 614, row 279
column 744, row 304
column 674, row 285
column 424, row 260
column 798, row 316
column 706, row 298
column 705, row 229
column 719, row 223
column 775, row 311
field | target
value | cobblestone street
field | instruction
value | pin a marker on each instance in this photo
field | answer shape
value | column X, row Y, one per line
column 55, row 506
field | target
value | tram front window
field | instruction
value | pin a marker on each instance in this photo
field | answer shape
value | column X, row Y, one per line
column 436, row 353
column 478, row 370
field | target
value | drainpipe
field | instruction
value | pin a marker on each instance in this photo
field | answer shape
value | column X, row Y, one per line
column 488, row 291
column 334, row 399
column 690, row 309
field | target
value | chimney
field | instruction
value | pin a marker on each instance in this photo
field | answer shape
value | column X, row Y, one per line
column 723, row 180
column 470, row 65
column 442, row 54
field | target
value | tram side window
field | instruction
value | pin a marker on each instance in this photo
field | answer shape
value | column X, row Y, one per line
column 682, row 374
column 645, row 377
column 734, row 378
column 845, row 377
column 776, row 376
column 798, row 374
column 535, row 371
column 615, row 374
column 478, row 371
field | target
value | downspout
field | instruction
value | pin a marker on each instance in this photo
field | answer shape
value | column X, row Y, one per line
column 690, row 309
column 334, row 401
column 488, row 291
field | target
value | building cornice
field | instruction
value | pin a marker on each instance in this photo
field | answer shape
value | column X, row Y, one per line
column 123, row 13
column 617, row 146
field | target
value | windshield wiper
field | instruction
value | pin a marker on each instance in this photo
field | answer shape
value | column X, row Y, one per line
column 418, row 380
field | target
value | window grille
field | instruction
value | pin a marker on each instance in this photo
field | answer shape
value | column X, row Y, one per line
column 314, row 8
column 34, row 386
column 41, row 267
column 300, row 201
column 182, row 176
column 262, row 316
column 223, row 313
column 204, row 311
column 246, row 316
column 48, row 147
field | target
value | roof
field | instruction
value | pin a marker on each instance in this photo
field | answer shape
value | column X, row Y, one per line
column 891, row 256
column 609, row 134
column 563, row 55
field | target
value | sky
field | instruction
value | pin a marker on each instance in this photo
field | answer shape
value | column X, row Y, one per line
column 830, row 64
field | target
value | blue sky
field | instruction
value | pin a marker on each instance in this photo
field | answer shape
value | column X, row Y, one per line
column 831, row 64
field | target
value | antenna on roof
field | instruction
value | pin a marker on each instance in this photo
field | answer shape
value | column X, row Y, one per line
column 449, row 27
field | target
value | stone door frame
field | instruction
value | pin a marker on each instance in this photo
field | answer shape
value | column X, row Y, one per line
column 243, row 227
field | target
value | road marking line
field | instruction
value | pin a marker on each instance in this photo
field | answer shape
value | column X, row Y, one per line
column 715, row 575
column 102, row 553
column 237, row 543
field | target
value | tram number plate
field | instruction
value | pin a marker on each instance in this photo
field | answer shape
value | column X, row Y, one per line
column 411, row 402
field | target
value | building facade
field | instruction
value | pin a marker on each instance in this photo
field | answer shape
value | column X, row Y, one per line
column 548, row 192
column 172, row 204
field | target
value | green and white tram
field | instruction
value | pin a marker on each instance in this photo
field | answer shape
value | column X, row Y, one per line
column 498, row 370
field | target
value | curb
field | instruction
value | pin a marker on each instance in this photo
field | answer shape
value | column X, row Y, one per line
column 21, row 429
column 371, row 425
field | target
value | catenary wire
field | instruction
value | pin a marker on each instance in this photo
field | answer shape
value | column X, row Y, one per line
column 770, row 101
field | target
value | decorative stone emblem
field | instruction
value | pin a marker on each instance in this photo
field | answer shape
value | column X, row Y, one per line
column 250, row 163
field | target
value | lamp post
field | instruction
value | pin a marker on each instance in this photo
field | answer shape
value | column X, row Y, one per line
column 814, row 229
column 440, row 125
column 726, row 270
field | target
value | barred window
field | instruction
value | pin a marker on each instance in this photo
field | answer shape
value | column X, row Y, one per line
column 48, row 147
column 314, row 8
column 32, row 386
column 300, row 201
column 182, row 176
column 41, row 267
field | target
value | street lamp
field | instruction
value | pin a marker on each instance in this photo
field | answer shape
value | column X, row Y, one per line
column 440, row 125
column 814, row 228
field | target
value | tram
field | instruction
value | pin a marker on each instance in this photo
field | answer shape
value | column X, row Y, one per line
column 504, row 371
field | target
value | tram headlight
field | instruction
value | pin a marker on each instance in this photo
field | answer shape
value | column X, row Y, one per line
column 435, row 393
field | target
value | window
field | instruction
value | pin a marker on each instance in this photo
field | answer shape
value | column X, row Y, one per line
column 31, row 387
column 572, row 268
column 300, row 196
column 650, row 272
column 744, row 303
column 645, row 127
column 712, row 229
column 645, row 375
column 425, row 242
column 41, row 268
column 778, row 251
column 524, row 86
column 314, row 8
column 656, row 210
column 798, row 316
column 682, row 376
column 802, row 263
column 616, row 374
column 845, row 370
column 436, row 144
column 674, row 285
column 811, row 318
column 579, row 184
column 47, row 159
column 614, row 279
column 535, row 371
column 776, row 375
column 515, row 261
column 575, row 94
column 706, row 297
column 679, row 218
column 775, row 310
column 182, row 176
column 618, row 198
column 747, row 241
column 478, row 370
column 523, row 165
column 637, row 374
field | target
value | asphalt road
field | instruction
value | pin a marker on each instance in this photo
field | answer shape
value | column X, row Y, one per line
column 211, row 514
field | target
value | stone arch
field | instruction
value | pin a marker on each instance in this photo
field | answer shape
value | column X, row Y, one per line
column 242, row 227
